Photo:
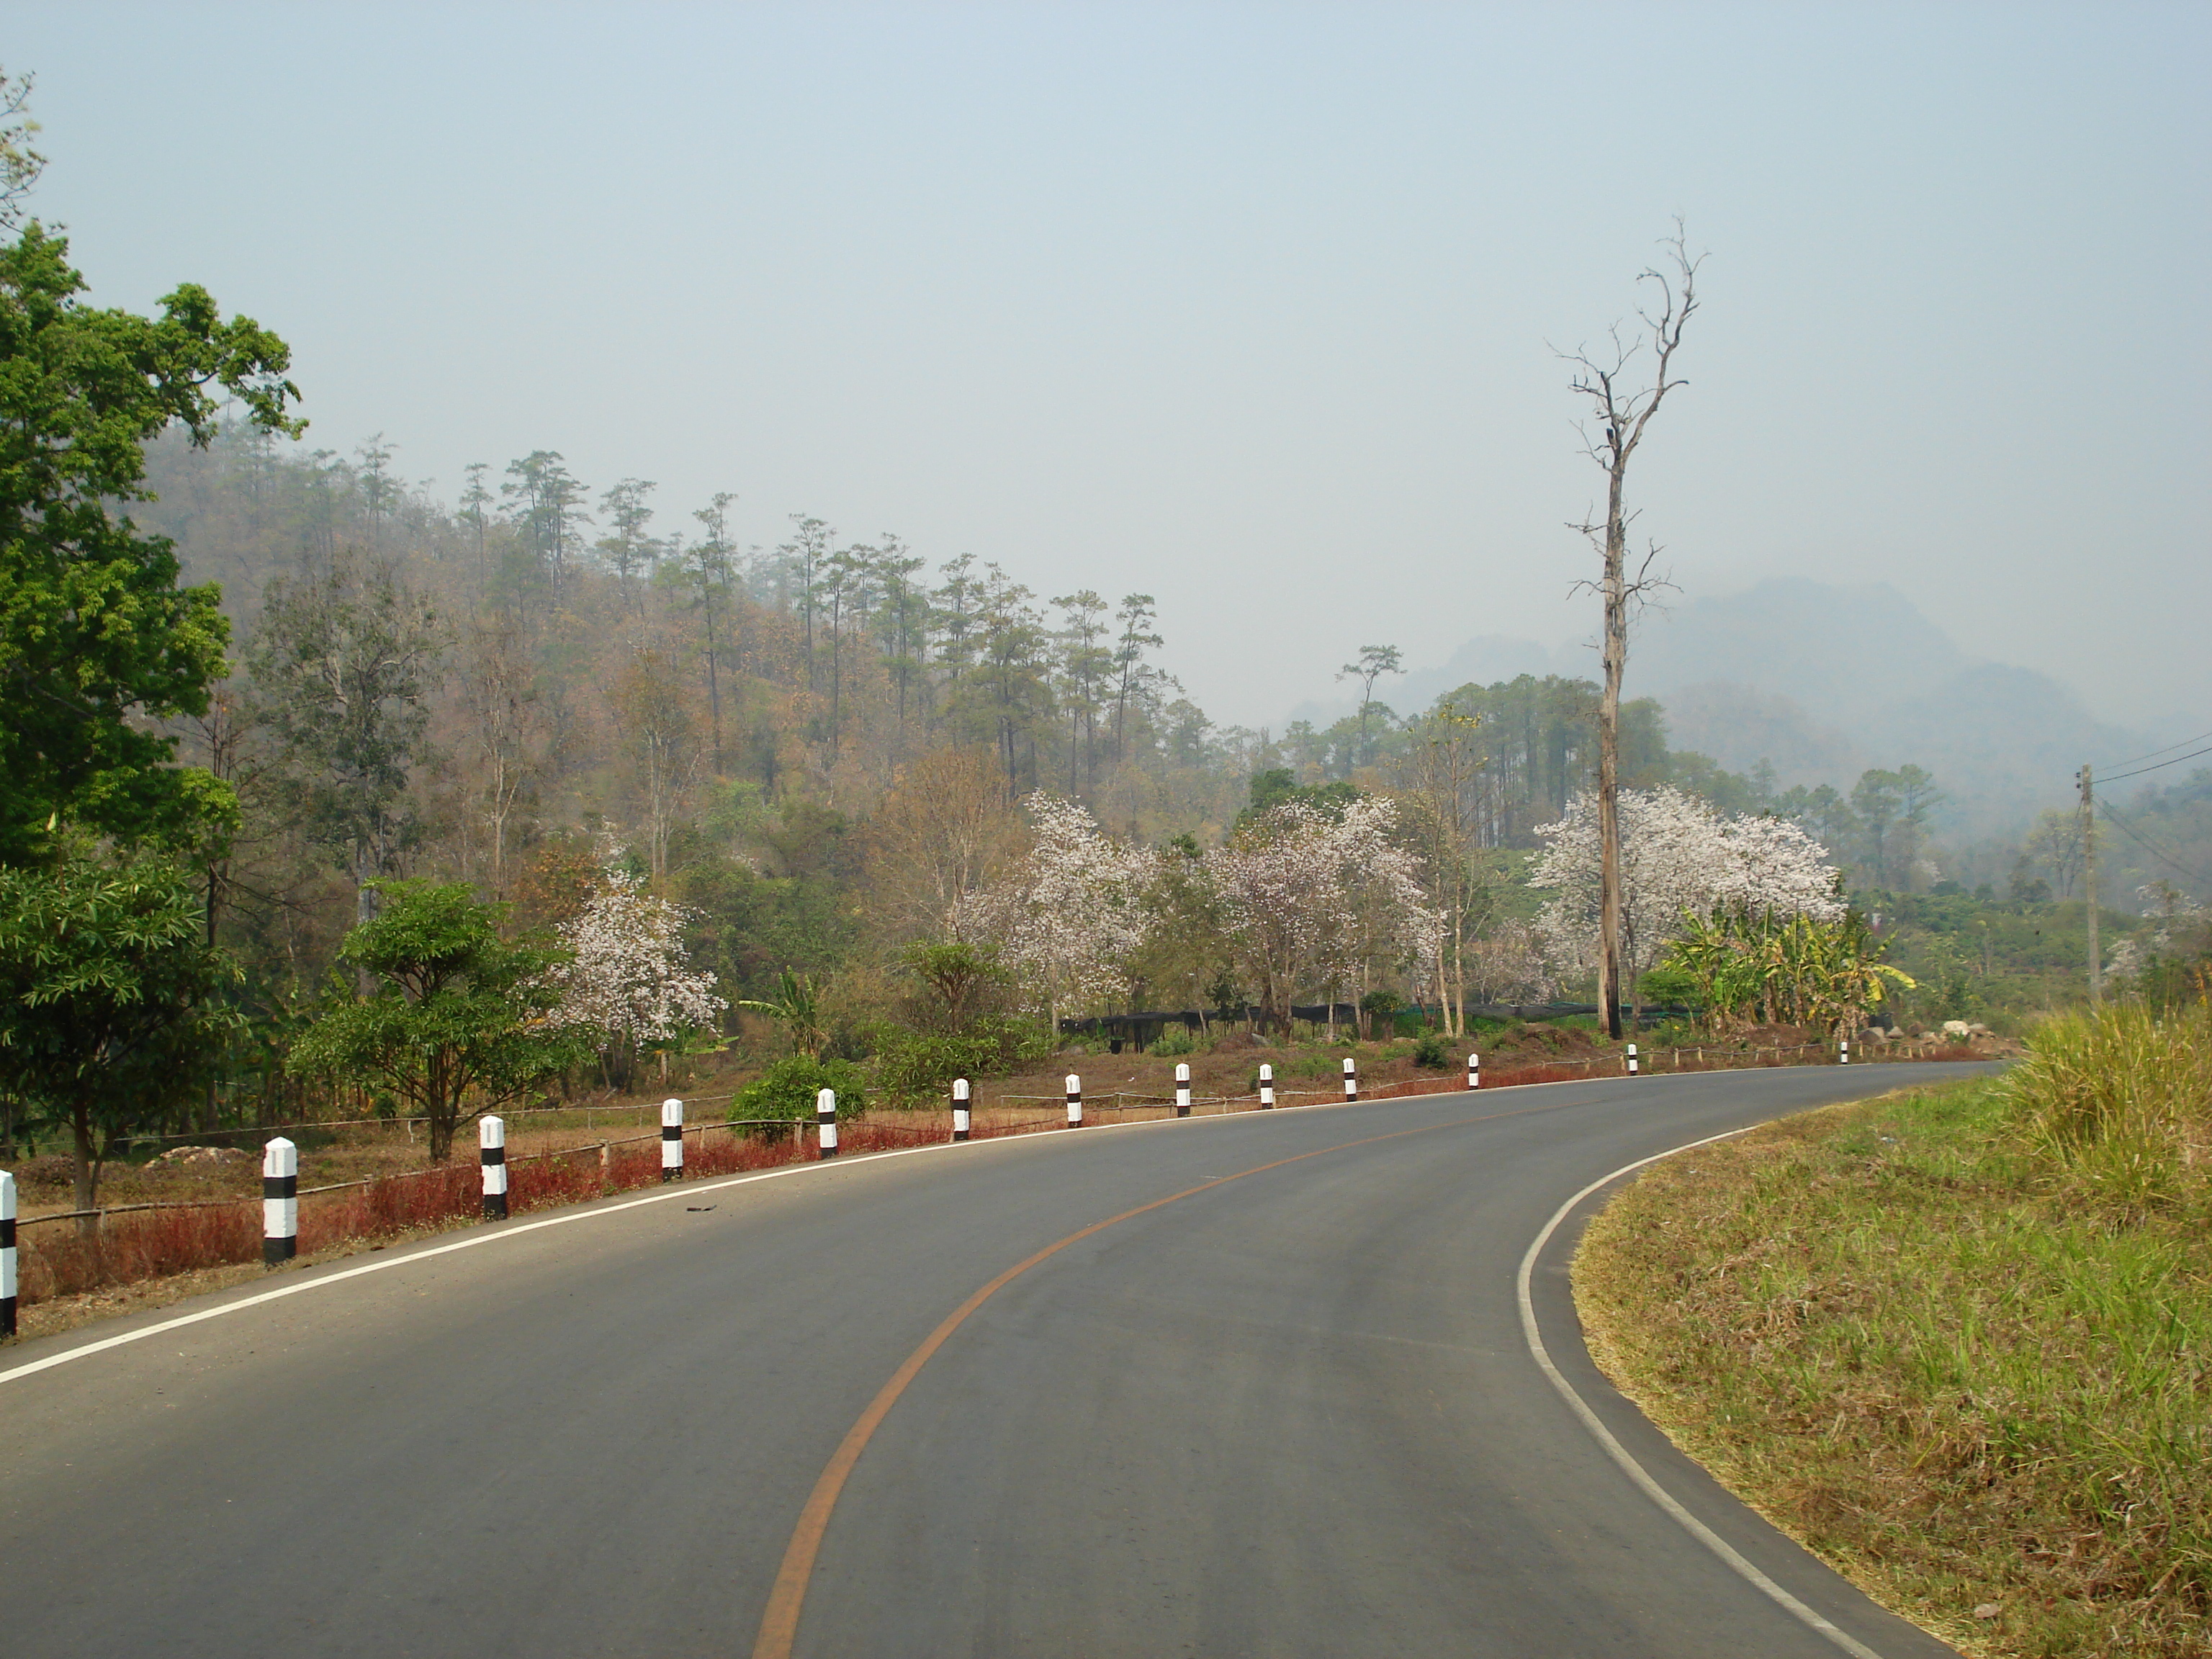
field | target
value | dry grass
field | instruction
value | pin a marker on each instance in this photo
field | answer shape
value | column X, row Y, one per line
column 1921, row 1347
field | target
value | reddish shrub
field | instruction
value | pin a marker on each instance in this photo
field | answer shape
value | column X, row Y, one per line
column 57, row 1260
column 1537, row 1074
column 1024, row 1126
column 392, row 1205
column 878, row 1135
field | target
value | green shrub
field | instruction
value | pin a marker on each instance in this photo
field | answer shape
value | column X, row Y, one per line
column 1430, row 1053
column 1175, row 1040
column 785, row 1093
column 1668, row 984
column 914, row 1068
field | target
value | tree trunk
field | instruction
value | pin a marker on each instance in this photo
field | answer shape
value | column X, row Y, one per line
column 84, row 1167
column 714, row 685
column 1608, row 757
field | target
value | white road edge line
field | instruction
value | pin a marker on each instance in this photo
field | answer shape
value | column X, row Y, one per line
column 686, row 1189
column 1620, row 1454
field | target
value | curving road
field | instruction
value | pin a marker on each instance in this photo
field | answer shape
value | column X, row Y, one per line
column 1281, row 1403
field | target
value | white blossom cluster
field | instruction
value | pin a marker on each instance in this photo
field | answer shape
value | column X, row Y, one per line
column 2169, row 907
column 1070, row 915
column 1311, row 903
column 1311, row 899
column 629, row 977
column 1507, row 964
column 1677, row 855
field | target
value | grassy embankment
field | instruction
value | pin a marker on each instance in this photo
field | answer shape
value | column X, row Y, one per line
column 1957, row 1340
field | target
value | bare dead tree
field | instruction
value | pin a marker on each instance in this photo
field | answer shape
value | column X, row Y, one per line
column 1621, row 405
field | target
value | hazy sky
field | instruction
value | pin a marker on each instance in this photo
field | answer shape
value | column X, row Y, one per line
column 1244, row 306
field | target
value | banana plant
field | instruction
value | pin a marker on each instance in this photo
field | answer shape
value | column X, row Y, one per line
column 798, row 1005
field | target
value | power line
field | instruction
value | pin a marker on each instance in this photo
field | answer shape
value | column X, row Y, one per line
column 2121, row 825
column 2183, row 743
column 2176, row 761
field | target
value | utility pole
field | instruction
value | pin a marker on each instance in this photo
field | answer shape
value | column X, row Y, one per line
column 2089, row 879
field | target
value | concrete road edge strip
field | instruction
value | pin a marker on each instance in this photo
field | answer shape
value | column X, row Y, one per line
column 1620, row 1454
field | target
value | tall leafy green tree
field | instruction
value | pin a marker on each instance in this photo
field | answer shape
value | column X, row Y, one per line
column 1374, row 662
column 474, row 511
column 546, row 505
column 108, row 1004
column 846, row 590
column 456, row 1023
column 96, row 638
column 805, row 553
column 628, row 549
column 1004, row 697
column 1086, row 665
column 1136, row 617
column 904, row 631
column 708, row 568
column 381, row 487
column 341, row 666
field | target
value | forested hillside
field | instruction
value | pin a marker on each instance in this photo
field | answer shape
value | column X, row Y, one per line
column 494, row 692
column 503, row 691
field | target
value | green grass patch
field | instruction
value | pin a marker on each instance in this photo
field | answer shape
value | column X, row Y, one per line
column 1952, row 1341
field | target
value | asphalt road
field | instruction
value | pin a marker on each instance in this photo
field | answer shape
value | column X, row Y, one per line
column 1292, row 1413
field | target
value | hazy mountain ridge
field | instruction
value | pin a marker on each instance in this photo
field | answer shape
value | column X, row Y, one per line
column 1822, row 681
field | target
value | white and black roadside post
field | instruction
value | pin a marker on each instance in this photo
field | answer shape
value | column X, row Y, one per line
column 7, row 1253
column 825, row 1121
column 1842, row 1051
column 491, row 1147
column 960, row 1109
column 671, row 1141
column 280, row 1202
column 1350, row 1079
column 1182, row 1088
column 1631, row 1060
column 1074, row 1101
column 1475, row 1071
column 1266, row 1087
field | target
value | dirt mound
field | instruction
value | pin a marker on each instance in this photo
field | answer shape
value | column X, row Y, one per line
column 1777, row 1037
column 187, row 1157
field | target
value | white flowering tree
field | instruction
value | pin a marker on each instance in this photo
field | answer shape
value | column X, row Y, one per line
column 629, row 977
column 1506, row 964
column 1678, row 857
column 1317, row 902
column 1068, row 915
column 1392, row 929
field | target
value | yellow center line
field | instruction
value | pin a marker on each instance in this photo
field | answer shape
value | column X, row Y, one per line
column 779, row 1626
